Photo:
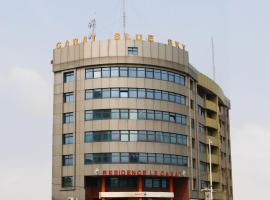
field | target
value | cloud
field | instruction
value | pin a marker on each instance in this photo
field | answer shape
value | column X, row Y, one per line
column 251, row 161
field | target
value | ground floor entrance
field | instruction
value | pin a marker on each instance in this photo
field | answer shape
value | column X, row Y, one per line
column 136, row 188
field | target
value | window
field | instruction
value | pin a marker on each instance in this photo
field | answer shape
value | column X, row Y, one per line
column 124, row 114
column 132, row 93
column 133, row 114
column 68, row 118
column 67, row 160
column 88, row 94
column 123, row 93
column 106, row 93
column 133, row 136
column 88, row 137
column 115, row 135
column 88, row 158
column 68, row 97
column 173, row 138
column 115, row 157
column 133, row 157
column 165, row 96
column 171, row 76
column 132, row 51
column 97, row 94
column 167, row 159
column 159, row 158
column 174, row 159
column 68, row 138
column 182, row 160
column 132, row 72
column 149, row 73
column 158, row 115
column 124, row 157
column 149, row 94
column 141, row 114
column 115, row 93
column 123, row 71
column 141, row 93
column 115, row 114
column 164, row 75
column 106, row 72
column 142, row 136
column 142, row 157
column 151, row 158
column 172, row 117
column 89, row 74
column 158, row 94
column 88, row 115
column 124, row 136
column 68, row 77
column 157, row 74
column 202, row 147
column 165, row 116
column 150, row 115
column 97, row 73
column 151, row 136
column 114, row 71
column 181, row 139
column 171, row 97
column 203, row 167
column 141, row 72
column 67, row 181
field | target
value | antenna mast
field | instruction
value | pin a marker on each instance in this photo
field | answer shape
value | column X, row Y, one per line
column 213, row 59
column 124, row 17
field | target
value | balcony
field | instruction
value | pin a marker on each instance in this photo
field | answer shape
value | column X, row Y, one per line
column 211, row 123
column 210, row 105
column 215, row 159
column 214, row 140
column 215, row 176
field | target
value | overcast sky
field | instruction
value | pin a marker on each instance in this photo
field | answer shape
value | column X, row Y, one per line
column 28, row 33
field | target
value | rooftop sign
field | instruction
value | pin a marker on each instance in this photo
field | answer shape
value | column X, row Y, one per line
column 117, row 36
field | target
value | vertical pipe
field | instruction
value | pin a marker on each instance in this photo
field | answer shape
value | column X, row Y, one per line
column 103, row 185
column 171, row 186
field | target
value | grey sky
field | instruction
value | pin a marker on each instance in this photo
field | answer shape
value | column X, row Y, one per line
column 30, row 29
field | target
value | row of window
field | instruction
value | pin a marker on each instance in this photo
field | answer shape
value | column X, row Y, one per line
column 135, row 114
column 133, row 93
column 136, row 72
column 158, row 158
column 126, row 136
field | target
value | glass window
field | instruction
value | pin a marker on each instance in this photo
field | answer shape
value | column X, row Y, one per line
column 133, row 114
column 158, row 94
column 97, row 94
column 173, row 138
column 67, row 160
column 159, row 136
column 115, row 157
column 123, row 71
column 151, row 136
column 88, row 115
column 88, row 137
column 157, row 74
column 115, row 92
column 68, row 118
column 166, row 137
column 178, row 99
column 88, row 94
column 141, row 114
column 123, row 92
column 165, row 96
column 156, row 183
column 182, row 160
column 133, row 157
column 68, row 138
column 67, row 181
column 172, row 117
column 89, row 74
column 159, row 158
column 115, row 114
column 173, row 159
column 171, row 97
column 167, row 158
column 158, row 115
column 141, row 93
column 68, row 97
column 165, row 116
column 115, row 135
column 124, row 157
column 106, row 93
column 133, row 136
column 115, row 72
column 150, row 115
column 164, row 75
column 123, row 114
column 181, row 119
column 181, row 139
column 132, row 93
column 68, row 77
column 148, row 183
column 106, row 72
column 88, row 158
column 124, row 136
column 132, row 51
column 171, row 76
column 151, row 158
column 177, row 79
column 149, row 73
column 97, row 73
column 142, row 157
column 142, row 136
column 150, row 94
column 132, row 72
column 141, row 72
column 164, row 183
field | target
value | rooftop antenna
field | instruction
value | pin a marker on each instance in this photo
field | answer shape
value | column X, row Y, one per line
column 213, row 59
column 92, row 26
column 124, row 17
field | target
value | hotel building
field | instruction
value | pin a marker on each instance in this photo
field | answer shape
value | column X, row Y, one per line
column 133, row 120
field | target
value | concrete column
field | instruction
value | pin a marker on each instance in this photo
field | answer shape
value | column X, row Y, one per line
column 103, row 185
column 140, row 186
column 171, row 185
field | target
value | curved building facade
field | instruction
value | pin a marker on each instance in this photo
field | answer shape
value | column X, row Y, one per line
column 133, row 120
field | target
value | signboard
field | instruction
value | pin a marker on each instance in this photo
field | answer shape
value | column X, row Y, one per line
column 136, row 194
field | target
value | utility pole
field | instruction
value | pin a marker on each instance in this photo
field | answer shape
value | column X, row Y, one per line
column 210, row 167
column 213, row 58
